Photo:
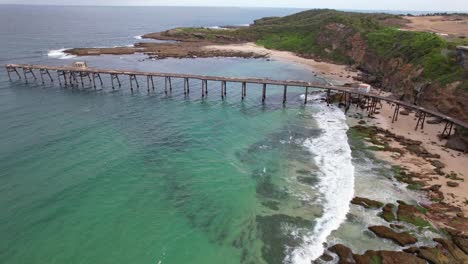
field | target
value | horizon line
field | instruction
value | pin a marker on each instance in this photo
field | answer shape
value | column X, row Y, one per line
column 272, row 7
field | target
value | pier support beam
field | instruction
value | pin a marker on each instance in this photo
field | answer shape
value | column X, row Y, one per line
column 115, row 76
column 264, row 93
column 223, row 89
column 447, row 130
column 64, row 74
column 285, row 90
column 186, row 86
column 347, row 102
column 94, row 79
column 10, row 70
column 305, row 94
column 26, row 71
column 244, row 88
column 396, row 113
column 204, row 88
column 167, row 84
column 81, row 78
column 58, row 77
column 45, row 72
column 133, row 78
column 97, row 75
column 421, row 119
column 149, row 79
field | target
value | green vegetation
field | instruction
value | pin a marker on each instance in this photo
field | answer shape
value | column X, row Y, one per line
column 376, row 260
column 310, row 32
column 414, row 186
column 332, row 35
column 419, row 48
column 416, row 221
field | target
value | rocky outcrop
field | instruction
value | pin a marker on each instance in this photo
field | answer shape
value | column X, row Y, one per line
column 404, row 80
column 411, row 214
column 446, row 252
column 387, row 257
column 387, row 213
column 462, row 242
column 346, row 256
column 344, row 253
column 367, row 203
column 402, row 238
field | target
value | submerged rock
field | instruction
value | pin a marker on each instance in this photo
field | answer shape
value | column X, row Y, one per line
column 387, row 257
column 326, row 257
column 367, row 203
column 277, row 242
column 346, row 256
column 344, row 253
column 402, row 238
column 387, row 213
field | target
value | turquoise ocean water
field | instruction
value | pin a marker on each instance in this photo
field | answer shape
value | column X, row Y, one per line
column 110, row 176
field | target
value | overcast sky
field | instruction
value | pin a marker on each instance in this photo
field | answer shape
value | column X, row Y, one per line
column 415, row 5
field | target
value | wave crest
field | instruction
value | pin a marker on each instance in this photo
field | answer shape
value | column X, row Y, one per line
column 332, row 155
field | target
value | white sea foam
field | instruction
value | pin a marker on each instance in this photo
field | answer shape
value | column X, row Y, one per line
column 59, row 54
column 332, row 155
column 215, row 27
column 138, row 37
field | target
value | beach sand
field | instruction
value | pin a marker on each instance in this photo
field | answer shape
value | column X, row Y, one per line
column 453, row 160
column 337, row 74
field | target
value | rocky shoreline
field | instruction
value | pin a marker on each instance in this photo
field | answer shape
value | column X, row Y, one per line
column 169, row 45
column 403, row 219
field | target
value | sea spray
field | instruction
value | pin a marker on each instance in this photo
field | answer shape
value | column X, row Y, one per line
column 332, row 155
column 59, row 54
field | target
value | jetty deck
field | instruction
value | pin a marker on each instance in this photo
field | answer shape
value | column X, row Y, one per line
column 73, row 76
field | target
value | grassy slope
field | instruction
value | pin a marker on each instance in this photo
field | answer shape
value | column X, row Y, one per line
column 301, row 33
column 298, row 33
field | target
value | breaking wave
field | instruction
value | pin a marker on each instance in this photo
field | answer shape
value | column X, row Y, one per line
column 332, row 154
column 59, row 54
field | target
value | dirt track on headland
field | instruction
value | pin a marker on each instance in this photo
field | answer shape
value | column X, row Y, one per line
column 455, row 26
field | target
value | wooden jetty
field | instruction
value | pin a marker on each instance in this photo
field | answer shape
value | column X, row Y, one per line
column 74, row 76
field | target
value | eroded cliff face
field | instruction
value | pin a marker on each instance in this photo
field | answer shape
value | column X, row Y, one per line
column 395, row 75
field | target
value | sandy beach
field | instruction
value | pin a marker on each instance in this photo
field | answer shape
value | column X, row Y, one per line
column 453, row 161
column 337, row 74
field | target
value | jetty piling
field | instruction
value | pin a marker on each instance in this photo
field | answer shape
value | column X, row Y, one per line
column 365, row 100
column 186, row 86
column 421, row 118
column 396, row 113
column 244, row 88
column 447, row 129
column 305, row 94
column 264, row 93
column 285, row 90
